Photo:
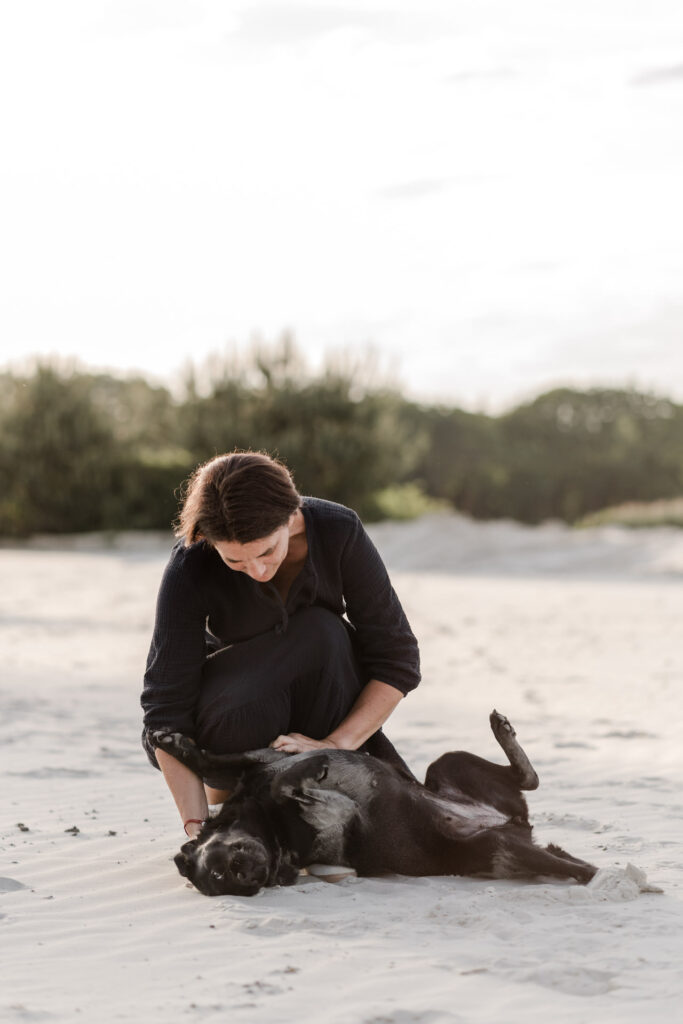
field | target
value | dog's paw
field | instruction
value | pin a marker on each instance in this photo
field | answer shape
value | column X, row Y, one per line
column 182, row 747
column 500, row 724
column 170, row 741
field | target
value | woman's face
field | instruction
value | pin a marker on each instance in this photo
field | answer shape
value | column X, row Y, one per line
column 259, row 559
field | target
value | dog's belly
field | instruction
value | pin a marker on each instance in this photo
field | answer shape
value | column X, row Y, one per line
column 461, row 816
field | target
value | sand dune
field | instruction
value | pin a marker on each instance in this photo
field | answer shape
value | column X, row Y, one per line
column 574, row 636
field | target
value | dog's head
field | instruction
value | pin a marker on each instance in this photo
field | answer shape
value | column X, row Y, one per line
column 237, row 856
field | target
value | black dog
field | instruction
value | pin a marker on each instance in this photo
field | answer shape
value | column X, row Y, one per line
column 344, row 807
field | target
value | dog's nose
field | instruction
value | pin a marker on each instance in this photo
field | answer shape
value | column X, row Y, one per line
column 247, row 872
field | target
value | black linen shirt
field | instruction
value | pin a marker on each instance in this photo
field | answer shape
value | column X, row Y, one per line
column 343, row 572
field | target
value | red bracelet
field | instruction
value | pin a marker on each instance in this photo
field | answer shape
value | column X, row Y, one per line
column 193, row 821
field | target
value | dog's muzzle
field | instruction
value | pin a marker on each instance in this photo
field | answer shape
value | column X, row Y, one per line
column 239, row 866
column 249, row 866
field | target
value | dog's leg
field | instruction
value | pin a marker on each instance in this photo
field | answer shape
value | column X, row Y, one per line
column 517, row 858
column 467, row 779
column 507, row 738
column 557, row 851
column 229, row 771
column 228, row 767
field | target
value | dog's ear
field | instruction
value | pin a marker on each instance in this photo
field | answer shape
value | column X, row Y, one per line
column 183, row 860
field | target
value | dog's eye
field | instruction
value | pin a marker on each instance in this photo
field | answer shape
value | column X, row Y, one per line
column 218, row 875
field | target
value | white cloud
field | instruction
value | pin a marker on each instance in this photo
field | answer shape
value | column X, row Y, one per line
column 478, row 188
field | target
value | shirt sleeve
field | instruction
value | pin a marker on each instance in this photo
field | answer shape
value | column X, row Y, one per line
column 176, row 655
column 387, row 647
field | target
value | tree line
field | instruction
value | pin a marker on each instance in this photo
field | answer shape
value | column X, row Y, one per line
column 81, row 450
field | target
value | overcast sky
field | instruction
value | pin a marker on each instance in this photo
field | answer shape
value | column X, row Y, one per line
column 488, row 191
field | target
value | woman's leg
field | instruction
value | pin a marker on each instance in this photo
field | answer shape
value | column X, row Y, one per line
column 305, row 680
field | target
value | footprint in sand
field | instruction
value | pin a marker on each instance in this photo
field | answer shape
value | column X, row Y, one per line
column 10, row 885
column 413, row 1017
column 629, row 734
column 575, row 981
column 21, row 1012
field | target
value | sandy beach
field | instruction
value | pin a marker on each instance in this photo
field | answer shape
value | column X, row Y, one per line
column 574, row 635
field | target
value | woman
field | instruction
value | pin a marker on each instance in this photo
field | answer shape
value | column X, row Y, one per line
column 250, row 648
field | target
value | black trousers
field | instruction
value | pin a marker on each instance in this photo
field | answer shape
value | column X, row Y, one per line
column 304, row 679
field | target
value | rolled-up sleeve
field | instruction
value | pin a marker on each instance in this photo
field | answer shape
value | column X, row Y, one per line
column 176, row 656
column 387, row 647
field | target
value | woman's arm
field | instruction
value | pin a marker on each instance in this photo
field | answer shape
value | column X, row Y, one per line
column 374, row 704
column 383, row 640
column 177, row 650
column 187, row 790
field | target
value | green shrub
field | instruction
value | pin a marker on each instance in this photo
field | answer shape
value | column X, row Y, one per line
column 402, row 501
column 637, row 514
column 85, row 451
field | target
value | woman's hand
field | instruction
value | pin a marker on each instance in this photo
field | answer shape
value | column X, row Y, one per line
column 295, row 743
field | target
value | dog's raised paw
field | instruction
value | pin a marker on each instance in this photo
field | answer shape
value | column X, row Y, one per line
column 500, row 724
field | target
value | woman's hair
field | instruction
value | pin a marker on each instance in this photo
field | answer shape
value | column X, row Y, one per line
column 243, row 497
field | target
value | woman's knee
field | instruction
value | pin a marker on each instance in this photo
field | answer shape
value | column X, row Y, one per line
column 320, row 628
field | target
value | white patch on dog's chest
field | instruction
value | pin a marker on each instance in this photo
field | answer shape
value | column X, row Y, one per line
column 329, row 814
column 209, row 847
